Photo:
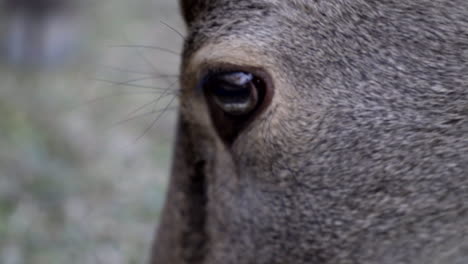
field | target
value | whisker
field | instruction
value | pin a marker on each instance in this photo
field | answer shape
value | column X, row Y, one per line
column 146, row 47
column 129, row 83
column 154, row 111
column 141, row 86
column 112, row 95
column 154, row 101
column 142, row 56
column 156, row 119
column 118, row 69
column 173, row 29
column 168, row 89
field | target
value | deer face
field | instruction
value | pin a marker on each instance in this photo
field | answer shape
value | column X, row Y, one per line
column 320, row 132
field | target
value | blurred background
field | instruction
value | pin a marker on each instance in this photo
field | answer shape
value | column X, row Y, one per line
column 87, row 108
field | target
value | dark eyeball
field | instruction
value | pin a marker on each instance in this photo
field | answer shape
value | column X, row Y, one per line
column 233, row 97
column 234, row 93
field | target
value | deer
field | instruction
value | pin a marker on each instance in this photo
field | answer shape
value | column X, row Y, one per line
column 40, row 33
column 321, row 132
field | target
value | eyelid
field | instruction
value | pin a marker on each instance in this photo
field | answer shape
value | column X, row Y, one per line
column 214, row 68
column 265, row 76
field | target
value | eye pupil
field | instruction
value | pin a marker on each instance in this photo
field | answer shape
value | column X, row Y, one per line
column 226, row 90
column 235, row 93
column 234, row 98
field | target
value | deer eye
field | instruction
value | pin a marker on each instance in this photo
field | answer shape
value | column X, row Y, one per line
column 234, row 98
column 234, row 93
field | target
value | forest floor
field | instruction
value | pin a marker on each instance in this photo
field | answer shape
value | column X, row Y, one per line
column 85, row 150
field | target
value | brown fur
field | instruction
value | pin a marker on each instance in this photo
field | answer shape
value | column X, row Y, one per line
column 362, row 154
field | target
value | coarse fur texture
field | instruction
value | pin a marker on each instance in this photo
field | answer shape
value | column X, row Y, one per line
column 362, row 154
